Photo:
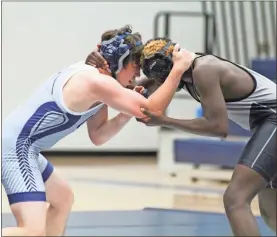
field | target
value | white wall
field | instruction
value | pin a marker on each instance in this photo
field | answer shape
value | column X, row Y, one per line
column 40, row 38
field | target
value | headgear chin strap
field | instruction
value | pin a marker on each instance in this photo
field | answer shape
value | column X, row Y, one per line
column 159, row 65
column 115, row 51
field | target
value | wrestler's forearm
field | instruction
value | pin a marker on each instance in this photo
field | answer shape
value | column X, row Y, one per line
column 109, row 129
column 162, row 97
column 198, row 126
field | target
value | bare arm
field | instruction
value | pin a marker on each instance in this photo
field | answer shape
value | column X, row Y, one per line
column 101, row 129
column 107, row 90
column 215, row 119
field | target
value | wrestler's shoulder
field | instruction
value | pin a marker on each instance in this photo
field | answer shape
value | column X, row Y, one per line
column 208, row 60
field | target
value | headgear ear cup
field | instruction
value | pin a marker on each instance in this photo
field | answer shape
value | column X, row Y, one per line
column 115, row 51
column 158, row 65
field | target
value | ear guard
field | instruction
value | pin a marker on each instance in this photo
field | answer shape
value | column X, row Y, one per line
column 159, row 65
column 115, row 51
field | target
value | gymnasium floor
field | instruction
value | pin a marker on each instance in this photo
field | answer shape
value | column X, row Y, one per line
column 130, row 197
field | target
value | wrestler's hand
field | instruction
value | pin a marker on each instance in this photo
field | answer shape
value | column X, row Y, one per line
column 182, row 59
column 139, row 89
column 144, row 82
column 95, row 59
column 152, row 118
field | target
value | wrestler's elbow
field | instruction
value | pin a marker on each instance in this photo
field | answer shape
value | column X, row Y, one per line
column 222, row 134
column 155, row 105
column 131, row 106
column 134, row 111
column 97, row 140
column 152, row 106
column 220, row 129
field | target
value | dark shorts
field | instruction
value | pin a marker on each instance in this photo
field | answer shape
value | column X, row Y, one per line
column 260, row 151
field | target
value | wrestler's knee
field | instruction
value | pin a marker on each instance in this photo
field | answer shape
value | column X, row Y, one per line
column 244, row 186
column 267, row 205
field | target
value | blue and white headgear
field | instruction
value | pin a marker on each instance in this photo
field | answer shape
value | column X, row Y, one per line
column 115, row 51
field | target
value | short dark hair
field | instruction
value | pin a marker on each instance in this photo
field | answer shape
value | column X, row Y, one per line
column 131, row 40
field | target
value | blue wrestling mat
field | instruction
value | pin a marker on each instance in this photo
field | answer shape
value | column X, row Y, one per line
column 147, row 222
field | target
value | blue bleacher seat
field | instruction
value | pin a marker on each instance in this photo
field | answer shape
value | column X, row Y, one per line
column 266, row 67
column 205, row 151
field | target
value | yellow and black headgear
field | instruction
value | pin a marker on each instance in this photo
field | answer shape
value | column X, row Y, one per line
column 158, row 65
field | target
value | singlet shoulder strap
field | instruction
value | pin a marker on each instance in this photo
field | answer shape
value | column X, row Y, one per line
column 199, row 55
